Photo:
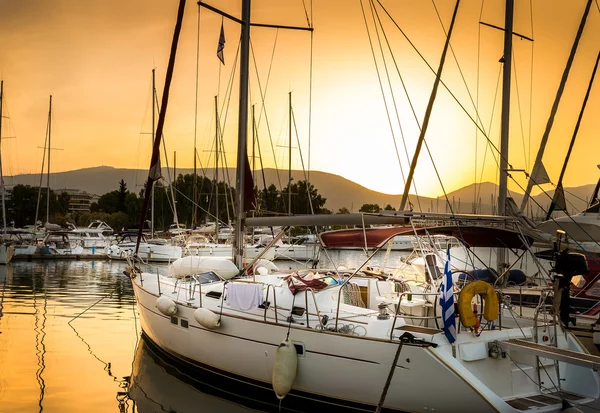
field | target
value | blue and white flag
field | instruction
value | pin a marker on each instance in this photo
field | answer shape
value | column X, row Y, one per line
column 221, row 45
column 447, row 302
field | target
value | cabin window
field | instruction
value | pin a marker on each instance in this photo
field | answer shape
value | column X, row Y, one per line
column 184, row 323
column 206, row 277
column 214, row 294
column 174, row 320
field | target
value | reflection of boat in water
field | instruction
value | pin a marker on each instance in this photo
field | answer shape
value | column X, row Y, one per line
column 158, row 384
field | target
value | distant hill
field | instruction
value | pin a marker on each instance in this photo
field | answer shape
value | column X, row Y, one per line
column 340, row 192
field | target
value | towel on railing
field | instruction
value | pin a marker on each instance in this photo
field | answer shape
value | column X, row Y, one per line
column 244, row 296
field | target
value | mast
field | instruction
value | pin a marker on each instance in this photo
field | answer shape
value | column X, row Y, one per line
column 154, row 171
column 559, row 92
column 290, row 158
column 438, row 77
column 1, row 176
column 216, row 169
column 48, row 176
column 559, row 188
column 153, row 138
column 502, row 190
column 242, row 135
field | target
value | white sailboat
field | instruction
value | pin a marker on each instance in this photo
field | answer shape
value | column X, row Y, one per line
column 290, row 339
column 7, row 250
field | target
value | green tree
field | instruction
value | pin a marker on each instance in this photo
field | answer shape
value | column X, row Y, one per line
column 22, row 205
column 370, row 208
column 388, row 207
column 121, row 196
column 109, row 202
column 343, row 210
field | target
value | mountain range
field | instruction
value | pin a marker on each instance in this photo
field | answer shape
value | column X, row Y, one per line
column 339, row 191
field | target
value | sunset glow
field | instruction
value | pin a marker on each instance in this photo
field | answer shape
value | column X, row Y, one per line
column 96, row 58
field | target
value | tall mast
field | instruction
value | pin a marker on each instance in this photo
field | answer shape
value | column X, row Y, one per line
column 503, row 187
column 216, row 169
column 290, row 158
column 436, row 83
column 559, row 188
column 1, row 176
column 242, row 135
column 154, row 171
column 506, row 71
column 559, row 92
column 153, row 138
column 48, row 176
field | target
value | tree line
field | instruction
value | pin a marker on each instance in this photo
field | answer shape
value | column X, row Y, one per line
column 122, row 208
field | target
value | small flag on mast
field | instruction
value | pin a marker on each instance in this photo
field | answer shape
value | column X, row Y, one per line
column 447, row 302
column 221, row 45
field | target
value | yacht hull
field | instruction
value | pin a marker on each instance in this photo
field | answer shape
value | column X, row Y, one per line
column 335, row 371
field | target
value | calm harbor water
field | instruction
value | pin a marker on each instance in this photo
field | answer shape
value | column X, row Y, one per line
column 70, row 342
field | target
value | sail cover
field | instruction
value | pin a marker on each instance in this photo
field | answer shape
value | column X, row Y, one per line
column 471, row 236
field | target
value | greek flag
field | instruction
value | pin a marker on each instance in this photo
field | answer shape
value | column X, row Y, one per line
column 447, row 302
column 221, row 45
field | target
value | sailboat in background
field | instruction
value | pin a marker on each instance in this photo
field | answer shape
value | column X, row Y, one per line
column 7, row 250
column 296, row 343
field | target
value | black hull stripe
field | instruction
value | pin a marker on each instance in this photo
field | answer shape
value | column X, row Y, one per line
column 251, row 393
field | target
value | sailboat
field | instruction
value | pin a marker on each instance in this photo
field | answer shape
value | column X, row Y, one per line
column 292, row 340
column 7, row 250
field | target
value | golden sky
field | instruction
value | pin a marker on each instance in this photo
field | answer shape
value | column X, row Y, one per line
column 95, row 57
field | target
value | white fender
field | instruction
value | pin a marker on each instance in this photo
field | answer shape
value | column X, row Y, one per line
column 166, row 306
column 207, row 318
column 284, row 370
column 193, row 265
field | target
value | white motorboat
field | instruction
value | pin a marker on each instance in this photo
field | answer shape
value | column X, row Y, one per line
column 199, row 246
column 155, row 252
column 299, row 248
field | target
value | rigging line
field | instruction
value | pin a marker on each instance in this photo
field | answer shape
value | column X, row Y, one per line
column 514, row 64
column 195, row 180
column 442, row 82
column 198, row 205
column 578, row 243
column 310, row 90
column 491, row 121
column 407, row 97
column 37, row 208
column 172, row 205
column 262, row 170
column 457, row 64
column 221, row 131
column 477, row 108
column 306, row 13
column 530, row 83
column 387, row 110
column 308, row 194
column 263, row 97
column 374, row 13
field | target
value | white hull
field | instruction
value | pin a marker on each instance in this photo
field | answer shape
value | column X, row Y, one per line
column 147, row 252
column 26, row 251
column 226, row 251
column 300, row 252
column 349, row 370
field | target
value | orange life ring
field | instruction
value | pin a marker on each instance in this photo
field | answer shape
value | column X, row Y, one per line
column 487, row 293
